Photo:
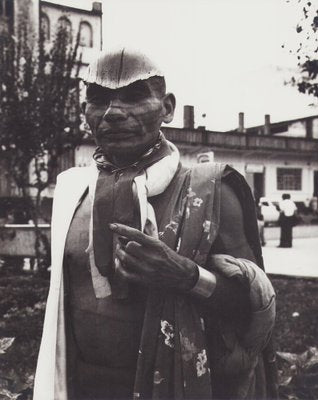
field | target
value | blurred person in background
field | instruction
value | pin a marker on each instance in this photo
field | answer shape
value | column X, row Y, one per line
column 288, row 215
column 260, row 224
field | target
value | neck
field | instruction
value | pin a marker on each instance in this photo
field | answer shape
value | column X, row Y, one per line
column 126, row 159
column 123, row 160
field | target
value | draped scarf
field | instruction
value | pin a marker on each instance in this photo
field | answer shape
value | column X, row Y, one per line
column 120, row 195
column 173, row 360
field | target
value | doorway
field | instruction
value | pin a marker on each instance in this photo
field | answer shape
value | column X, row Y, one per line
column 315, row 184
column 258, row 185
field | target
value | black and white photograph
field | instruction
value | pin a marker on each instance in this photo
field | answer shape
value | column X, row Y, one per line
column 158, row 199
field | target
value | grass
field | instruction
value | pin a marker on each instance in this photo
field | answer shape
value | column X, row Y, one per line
column 22, row 305
column 297, row 313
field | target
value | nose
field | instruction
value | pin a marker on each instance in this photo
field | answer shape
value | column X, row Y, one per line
column 115, row 112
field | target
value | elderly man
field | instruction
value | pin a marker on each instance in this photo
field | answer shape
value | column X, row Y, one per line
column 157, row 289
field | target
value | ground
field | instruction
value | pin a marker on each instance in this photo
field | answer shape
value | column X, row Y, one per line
column 22, row 303
column 296, row 334
column 297, row 313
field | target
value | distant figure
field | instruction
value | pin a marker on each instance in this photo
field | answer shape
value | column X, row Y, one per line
column 10, row 218
column 260, row 224
column 287, row 218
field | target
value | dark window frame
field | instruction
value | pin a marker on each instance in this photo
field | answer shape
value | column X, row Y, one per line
column 67, row 25
column 44, row 16
column 6, row 8
column 289, row 178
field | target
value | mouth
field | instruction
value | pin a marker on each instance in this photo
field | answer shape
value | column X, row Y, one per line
column 116, row 134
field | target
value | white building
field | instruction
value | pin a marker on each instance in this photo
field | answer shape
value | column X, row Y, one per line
column 274, row 158
column 272, row 163
column 86, row 23
column 271, row 166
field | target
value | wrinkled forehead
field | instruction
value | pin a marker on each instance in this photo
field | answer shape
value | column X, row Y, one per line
column 119, row 68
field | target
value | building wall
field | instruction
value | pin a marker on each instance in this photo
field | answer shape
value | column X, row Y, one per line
column 298, row 129
column 315, row 128
column 76, row 18
column 84, row 155
column 32, row 8
column 307, row 179
column 247, row 164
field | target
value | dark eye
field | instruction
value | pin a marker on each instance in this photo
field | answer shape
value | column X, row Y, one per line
column 136, row 92
column 98, row 95
column 98, row 100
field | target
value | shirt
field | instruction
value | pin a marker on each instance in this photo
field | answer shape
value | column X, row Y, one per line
column 288, row 207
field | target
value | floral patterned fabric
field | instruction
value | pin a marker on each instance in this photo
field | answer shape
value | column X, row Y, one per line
column 173, row 359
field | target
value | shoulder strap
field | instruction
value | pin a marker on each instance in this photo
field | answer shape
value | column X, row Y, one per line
column 244, row 194
column 202, row 213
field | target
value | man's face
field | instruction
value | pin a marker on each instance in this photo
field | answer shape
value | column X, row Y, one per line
column 125, row 122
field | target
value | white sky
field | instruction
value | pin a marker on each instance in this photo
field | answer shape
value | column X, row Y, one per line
column 222, row 56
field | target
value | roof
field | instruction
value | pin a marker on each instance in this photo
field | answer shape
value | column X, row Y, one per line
column 64, row 8
column 281, row 125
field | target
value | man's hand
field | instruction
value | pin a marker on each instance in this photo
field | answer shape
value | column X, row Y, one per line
column 146, row 260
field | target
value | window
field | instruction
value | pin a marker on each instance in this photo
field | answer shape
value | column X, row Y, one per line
column 6, row 8
column 45, row 26
column 65, row 24
column 289, row 178
column 86, row 35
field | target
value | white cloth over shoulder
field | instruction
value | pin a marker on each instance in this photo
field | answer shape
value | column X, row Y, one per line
column 50, row 376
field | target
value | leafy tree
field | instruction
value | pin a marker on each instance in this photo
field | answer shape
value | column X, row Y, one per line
column 307, row 50
column 39, row 108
